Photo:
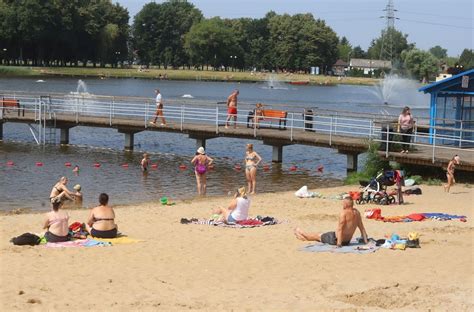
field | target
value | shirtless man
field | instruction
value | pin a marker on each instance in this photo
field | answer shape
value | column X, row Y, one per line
column 232, row 108
column 59, row 193
column 349, row 221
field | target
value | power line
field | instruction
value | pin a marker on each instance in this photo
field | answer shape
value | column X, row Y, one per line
column 439, row 24
column 437, row 15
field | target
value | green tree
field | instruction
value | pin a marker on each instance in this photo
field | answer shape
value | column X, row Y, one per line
column 358, row 52
column 421, row 64
column 439, row 52
column 399, row 44
column 466, row 60
column 344, row 49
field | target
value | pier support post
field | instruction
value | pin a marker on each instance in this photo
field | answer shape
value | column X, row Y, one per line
column 1, row 131
column 64, row 138
column 352, row 158
column 200, row 142
column 200, row 139
column 277, row 153
column 129, row 139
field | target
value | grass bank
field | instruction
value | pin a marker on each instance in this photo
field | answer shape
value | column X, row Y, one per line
column 180, row 74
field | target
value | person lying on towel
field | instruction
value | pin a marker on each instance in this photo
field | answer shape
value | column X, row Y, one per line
column 101, row 222
column 238, row 209
column 349, row 221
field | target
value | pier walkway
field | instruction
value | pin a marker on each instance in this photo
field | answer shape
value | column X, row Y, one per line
column 346, row 132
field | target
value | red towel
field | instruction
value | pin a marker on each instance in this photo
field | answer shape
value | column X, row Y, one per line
column 250, row 222
column 416, row 217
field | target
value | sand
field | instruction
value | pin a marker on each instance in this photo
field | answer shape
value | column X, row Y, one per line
column 200, row 267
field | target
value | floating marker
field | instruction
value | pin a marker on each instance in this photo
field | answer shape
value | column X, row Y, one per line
column 39, row 164
column 10, row 163
column 293, row 168
column 237, row 167
column 182, row 167
column 96, row 165
column 67, row 164
column 124, row 165
column 320, row 168
column 266, row 167
column 210, row 167
column 154, row 166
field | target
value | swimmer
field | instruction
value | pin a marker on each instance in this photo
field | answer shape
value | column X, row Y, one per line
column 145, row 162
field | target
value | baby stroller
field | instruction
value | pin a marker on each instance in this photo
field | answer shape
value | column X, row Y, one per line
column 375, row 190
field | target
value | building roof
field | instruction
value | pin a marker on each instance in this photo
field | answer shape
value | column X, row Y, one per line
column 366, row 63
column 451, row 84
column 341, row 63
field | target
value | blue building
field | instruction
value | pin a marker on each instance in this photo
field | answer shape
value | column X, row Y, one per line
column 452, row 109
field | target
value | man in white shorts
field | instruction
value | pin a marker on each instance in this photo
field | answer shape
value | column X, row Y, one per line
column 159, row 109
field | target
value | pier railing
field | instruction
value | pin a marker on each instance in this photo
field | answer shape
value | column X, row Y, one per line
column 188, row 112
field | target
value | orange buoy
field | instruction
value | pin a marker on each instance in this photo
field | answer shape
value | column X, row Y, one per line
column 10, row 163
column 154, row 166
column 293, row 168
column 67, row 164
column 237, row 167
column 182, row 167
column 266, row 167
column 96, row 165
column 39, row 164
column 320, row 168
column 124, row 165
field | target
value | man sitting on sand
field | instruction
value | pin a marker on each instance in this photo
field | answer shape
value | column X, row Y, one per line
column 349, row 220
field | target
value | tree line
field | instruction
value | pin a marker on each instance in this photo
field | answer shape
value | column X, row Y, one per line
column 174, row 34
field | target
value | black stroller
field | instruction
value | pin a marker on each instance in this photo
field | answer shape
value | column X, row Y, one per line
column 375, row 190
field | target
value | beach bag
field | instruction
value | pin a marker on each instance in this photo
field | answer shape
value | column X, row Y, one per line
column 375, row 213
column 26, row 239
column 201, row 168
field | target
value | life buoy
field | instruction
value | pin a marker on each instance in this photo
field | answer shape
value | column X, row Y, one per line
column 96, row 165
column 124, row 165
column 182, row 167
column 293, row 168
column 39, row 164
column 10, row 163
column 67, row 164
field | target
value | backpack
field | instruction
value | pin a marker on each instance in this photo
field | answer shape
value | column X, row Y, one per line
column 26, row 239
column 201, row 168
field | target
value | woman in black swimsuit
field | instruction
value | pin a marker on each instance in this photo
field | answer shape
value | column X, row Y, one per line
column 101, row 219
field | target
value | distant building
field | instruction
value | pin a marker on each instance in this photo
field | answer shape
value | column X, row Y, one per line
column 442, row 76
column 369, row 65
column 340, row 68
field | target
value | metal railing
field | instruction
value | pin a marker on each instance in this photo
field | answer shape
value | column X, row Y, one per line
column 189, row 112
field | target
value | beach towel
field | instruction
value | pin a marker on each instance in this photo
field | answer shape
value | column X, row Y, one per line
column 353, row 247
column 249, row 223
column 118, row 240
column 78, row 243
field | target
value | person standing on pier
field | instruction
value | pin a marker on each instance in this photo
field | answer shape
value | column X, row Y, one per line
column 405, row 128
column 232, row 108
column 159, row 109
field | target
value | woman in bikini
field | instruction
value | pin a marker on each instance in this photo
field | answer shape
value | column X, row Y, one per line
column 101, row 222
column 60, row 193
column 56, row 224
column 201, row 164
column 450, row 172
column 252, row 159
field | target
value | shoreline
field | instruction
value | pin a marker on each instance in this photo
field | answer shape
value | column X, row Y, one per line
column 200, row 267
column 181, row 75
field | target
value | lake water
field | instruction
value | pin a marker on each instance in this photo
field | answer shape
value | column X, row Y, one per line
column 26, row 185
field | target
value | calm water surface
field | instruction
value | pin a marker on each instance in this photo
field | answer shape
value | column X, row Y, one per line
column 26, row 185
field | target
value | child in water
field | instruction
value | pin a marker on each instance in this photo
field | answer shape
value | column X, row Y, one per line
column 145, row 162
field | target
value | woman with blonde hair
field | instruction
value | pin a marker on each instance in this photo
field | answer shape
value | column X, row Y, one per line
column 252, row 159
column 201, row 164
column 456, row 160
column 238, row 209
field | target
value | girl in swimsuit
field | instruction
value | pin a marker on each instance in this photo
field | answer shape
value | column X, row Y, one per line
column 201, row 163
column 145, row 162
column 450, row 172
column 56, row 224
column 252, row 159
column 101, row 219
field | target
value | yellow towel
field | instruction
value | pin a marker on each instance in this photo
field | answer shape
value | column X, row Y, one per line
column 118, row 240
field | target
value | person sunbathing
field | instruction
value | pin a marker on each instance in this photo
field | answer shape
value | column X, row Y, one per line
column 56, row 224
column 101, row 219
column 238, row 209
column 349, row 221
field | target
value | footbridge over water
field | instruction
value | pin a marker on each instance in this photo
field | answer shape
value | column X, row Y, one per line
column 348, row 133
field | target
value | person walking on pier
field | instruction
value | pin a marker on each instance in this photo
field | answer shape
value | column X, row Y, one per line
column 159, row 109
column 450, row 172
column 252, row 159
column 232, row 108
column 405, row 128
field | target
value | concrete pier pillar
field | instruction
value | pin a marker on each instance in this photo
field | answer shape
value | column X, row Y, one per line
column 1, row 131
column 64, row 139
column 352, row 158
column 129, row 139
column 277, row 153
column 200, row 142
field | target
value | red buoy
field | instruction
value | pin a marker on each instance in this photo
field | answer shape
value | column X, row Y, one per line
column 293, row 168
column 320, row 168
column 39, row 164
column 266, row 167
column 67, row 164
column 124, row 165
column 182, row 167
column 237, row 167
column 96, row 165
column 210, row 167
column 154, row 166
column 10, row 163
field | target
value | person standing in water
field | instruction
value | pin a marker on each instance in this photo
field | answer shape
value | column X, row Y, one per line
column 252, row 159
column 145, row 163
column 232, row 108
column 159, row 109
column 201, row 164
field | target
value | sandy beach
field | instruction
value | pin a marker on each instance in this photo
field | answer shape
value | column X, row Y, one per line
column 202, row 267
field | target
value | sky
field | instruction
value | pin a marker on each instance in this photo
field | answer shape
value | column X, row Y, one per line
column 447, row 23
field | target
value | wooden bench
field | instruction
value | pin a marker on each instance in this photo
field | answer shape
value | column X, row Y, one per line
column 269, row 114
column 5, row 104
